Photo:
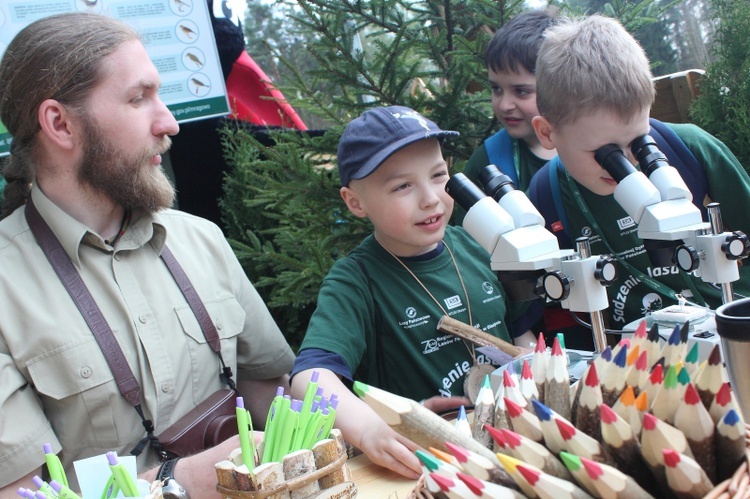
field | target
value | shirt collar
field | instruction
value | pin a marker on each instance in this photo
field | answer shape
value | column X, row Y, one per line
column 143, row 229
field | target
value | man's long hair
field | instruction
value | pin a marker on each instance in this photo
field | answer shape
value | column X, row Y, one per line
column 57, row 57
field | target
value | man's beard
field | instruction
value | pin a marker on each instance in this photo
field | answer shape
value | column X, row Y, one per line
column 129, row 180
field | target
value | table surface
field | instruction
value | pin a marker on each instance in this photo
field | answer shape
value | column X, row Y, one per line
column 376, row 482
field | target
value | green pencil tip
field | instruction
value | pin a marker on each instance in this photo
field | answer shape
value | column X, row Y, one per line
column 360, row 388
column 571, row 461
column 486, row 383
column 428, row 459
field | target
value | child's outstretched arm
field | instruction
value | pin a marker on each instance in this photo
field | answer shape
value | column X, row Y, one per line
column 362, row 427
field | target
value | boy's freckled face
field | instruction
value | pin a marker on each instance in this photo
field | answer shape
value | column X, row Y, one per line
column 514, row 101
column 576, row 143
column 405, row 199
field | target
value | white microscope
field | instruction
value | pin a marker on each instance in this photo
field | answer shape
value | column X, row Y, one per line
column 526, row 256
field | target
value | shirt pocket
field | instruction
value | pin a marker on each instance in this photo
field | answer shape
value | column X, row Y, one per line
column 229, row 318
column 80, row 395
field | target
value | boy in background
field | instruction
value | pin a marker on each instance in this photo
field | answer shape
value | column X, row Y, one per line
column 594, row 87
column 510, row 59
column 378, row 308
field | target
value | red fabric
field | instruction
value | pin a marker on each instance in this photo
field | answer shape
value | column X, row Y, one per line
column 253, row 98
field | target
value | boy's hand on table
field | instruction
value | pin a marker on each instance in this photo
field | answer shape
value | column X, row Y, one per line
column 385, row 447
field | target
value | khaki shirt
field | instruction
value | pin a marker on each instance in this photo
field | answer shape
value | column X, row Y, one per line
column 55, row 384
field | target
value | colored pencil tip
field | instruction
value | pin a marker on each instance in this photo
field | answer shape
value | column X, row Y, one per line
column 541, row 410
column 621, row 358
column 509, row 463
column 496, row 435
column 541, row 347
column 592, row 378
column 461, row 454
column 511, row 438
column 556, row 347
column 443, row 456
column 360, row 388
column 714, row 358
column 674, row 338
column 530, row 475
column 627, row 397
column 606, row 353
column 430, row 461
column 653, row 333
column 692, row 356
column 607, row 414
column 649, row 421
column 640, row 331
column 461, row 413
column 475, row 485
column 724, row 395
column 445, row 483
column 671, row 457
column 486, row 383
column 571, row 461
column 567, row 431
column 513, row 409
column 593, row 469
column 684, row 331
column 731, row 418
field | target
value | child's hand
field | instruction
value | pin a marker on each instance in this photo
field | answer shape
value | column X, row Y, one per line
column 440, row 405
column 385, row 447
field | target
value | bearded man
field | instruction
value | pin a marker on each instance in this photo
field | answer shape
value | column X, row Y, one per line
column 79, row 95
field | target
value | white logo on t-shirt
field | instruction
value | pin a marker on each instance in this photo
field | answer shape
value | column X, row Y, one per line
column 452, row 302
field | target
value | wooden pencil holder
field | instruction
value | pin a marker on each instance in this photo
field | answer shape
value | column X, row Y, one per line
column 318, row 473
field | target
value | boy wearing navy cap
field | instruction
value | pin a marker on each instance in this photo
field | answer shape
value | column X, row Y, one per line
column 378, row 308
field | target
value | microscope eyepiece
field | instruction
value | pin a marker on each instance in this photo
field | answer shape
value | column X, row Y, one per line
column 612, row 159
column 463, row 191
column 494, row 182
column 648, row 154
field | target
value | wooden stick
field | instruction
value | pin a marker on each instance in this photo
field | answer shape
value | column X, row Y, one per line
column 325, row 452
column 298, row 464
column 477, row 336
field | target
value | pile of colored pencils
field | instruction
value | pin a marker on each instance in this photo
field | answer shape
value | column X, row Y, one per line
column 643, row 421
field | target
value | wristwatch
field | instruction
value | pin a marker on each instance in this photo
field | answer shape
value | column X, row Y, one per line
column 170, row 488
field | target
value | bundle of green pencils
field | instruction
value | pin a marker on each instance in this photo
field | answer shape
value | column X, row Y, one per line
column 298, row 424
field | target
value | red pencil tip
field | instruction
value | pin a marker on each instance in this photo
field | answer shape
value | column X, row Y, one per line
column 512, row 408
column 507, row 380
column 511, row 438
column 691, row 395
column 495, row 434
column 556, row 348
column 541, row 346
column 592, row 468
column 724, row 395
column 475, row 485
column 526, row 371
column 443, row 481
column 607, row 414
column 461, row 454
column 592, row 378
column 530, row 475
column 671, row 457
column 649, row 421
column 567, row 431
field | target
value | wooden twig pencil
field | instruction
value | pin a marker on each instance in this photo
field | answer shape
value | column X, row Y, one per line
column 637, row 374
column 622, row 444
column 549, row 487
column 655, row 380
column 693, row 419
column 488, row 490
column 613, row 377
column 711, row 377
column 580, row 444
column 557, row 382
column 524, row 421
column 722, row 403
column 484, row 414
column 686, row 478
column 587, row 407
column 526, row 384
column 476, row 465
column 535, row 454
column 611, row 482
column 539, row 366
column 730, row 444
column 655, row 437
column 667, row 398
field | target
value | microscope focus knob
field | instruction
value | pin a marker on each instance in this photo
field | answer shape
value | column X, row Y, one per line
column 686, row 258
column 735, row 246
column 606, row 271
column 556, row 285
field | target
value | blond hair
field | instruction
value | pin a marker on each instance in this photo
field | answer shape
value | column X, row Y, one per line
column 57, row 57
column 591, row 64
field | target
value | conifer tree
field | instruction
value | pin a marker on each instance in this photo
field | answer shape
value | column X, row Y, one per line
column 282, row 208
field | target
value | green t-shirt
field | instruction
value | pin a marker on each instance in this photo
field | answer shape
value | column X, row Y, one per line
column 630, row 298
column 528, row 164
column 374, row 313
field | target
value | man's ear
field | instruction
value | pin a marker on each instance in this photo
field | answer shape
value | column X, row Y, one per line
column 543, row 129
column 55, row 121
column 351, row 198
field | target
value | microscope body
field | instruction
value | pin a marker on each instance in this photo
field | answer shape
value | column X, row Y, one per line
column 661, row 205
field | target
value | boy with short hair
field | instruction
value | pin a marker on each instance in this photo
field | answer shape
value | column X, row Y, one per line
column 594, row 88
column 510, row 59
column 378, row 308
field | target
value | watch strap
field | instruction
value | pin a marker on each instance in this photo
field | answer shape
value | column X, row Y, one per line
column 166, row 470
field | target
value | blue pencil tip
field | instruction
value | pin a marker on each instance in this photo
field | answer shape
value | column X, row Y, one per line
column 621, row 358
column 462, row 413
column 541, row 410
column 674, row 338
column 731, row 417
column 606, row 354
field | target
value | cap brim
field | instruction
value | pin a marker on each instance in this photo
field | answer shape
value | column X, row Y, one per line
column 375, row 161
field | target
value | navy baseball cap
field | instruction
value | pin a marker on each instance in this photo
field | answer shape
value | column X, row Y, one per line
column 378, row 133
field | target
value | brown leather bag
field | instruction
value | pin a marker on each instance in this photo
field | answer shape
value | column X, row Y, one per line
column 210, row 423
